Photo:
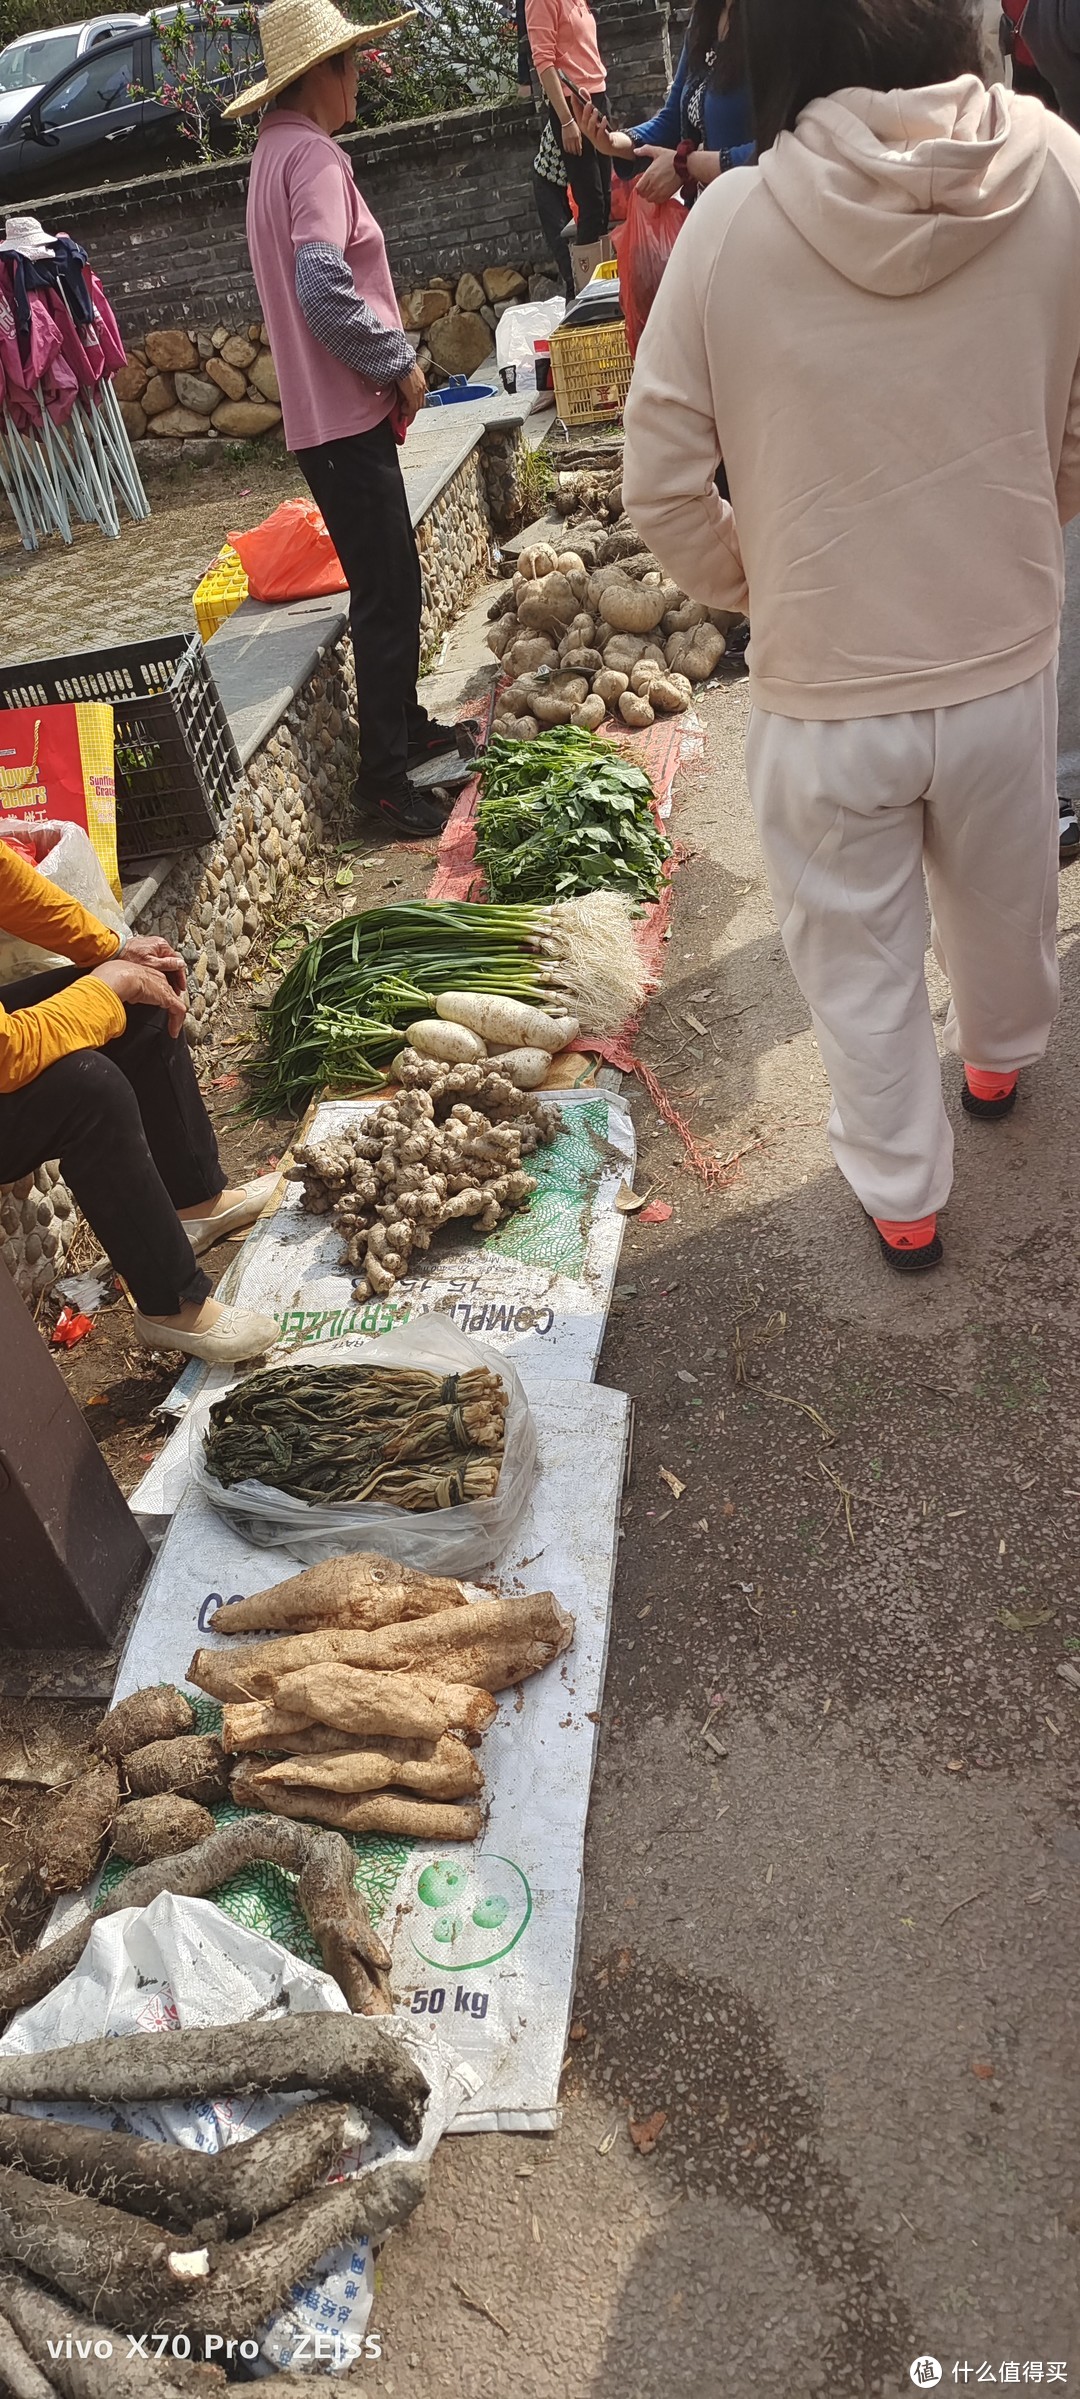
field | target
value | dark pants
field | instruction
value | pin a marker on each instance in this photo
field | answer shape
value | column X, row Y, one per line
column 358, row 485
column 550, row 201
column 134, row 1142
column 589, row 178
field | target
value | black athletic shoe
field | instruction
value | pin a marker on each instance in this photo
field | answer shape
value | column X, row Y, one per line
column 910, row 1261
column 438, row 741
column 988, row 1109
column 400, row 811
column 1068, row 832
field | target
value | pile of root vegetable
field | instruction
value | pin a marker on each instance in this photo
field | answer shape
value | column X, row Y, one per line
column 394, row 1434
column 102, row 2227
column 598, row 630
column 143, row 1788
column 192, row 2249
column 366, row 1714
column 449, row 1145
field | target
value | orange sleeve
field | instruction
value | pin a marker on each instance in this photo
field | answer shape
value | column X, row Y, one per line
column 85, row 1016
column 33, row 907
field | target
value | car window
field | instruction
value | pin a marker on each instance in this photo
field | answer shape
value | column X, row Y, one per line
column 217, row 53
column 28, row 64
column 102, row 80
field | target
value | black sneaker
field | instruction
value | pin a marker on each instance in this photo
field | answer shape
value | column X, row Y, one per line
column 400, row 810
column 1068, row 832
column 440, row 741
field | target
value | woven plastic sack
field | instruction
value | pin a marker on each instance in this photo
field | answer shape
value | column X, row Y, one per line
column 455, row 1541
column 290, row 556
column 643, row 246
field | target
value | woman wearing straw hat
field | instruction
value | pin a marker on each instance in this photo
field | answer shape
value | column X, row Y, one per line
column 348, row 377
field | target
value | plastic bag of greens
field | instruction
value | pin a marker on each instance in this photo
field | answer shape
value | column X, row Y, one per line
column 455, row 1540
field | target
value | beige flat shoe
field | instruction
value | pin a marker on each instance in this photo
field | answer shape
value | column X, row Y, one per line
column 203, row 1231
column 239, row 1333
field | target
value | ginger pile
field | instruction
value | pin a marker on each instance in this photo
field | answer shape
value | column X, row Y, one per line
column 449, row 1145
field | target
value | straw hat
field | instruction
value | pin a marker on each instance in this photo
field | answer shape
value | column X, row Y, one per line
column 298, row 34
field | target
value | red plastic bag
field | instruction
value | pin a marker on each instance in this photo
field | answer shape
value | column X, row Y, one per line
column 643, row 246
column 291, row 556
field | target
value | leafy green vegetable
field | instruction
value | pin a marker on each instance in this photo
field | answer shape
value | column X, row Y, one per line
column 338, row 1015
column 567, row 813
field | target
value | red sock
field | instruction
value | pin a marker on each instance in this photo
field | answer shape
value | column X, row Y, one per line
column 916, row 1232
column 986, row 1083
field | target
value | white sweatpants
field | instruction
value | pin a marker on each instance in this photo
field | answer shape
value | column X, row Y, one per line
column 850, row 815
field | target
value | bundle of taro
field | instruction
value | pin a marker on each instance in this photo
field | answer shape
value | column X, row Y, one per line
column 365, row 1712
column 598, row 631
column 449, row 1146
column 393, row 1434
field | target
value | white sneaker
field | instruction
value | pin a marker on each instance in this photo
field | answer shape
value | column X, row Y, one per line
column 203, row 1231
column 239, row 1333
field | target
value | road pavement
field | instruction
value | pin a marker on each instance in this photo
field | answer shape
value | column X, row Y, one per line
column 833, row 1869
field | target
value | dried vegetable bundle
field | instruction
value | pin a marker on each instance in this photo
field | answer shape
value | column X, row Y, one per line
column 449, row 1146
column 406, row 1438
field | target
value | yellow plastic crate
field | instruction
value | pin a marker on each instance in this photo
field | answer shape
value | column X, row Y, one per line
column 590, row 368
column 223, row 587
column 606, row 272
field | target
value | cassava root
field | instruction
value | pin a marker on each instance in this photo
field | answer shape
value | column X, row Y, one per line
column 336, row 1915
column 41, row 2317
column 340, row 2056
column 363, row 1592
column 190, row 2190
column 390, row 1812
column 127, row 2272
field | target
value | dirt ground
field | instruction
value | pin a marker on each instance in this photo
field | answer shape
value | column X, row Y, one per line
column 58, row 600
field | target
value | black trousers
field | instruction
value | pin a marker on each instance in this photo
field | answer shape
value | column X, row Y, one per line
column 134, row 1142
column 550, row 201
column 358, row 485
column 589, row 178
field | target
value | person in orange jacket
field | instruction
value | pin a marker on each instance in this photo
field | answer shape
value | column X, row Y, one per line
column 94, row 1071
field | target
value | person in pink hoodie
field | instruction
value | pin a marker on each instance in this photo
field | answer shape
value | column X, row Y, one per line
column 831, row 326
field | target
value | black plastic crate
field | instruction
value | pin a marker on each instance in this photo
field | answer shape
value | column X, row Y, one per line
column 176, row 762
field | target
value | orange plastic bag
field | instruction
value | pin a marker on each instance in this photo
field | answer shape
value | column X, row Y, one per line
column 291, row 556
column 643, row 246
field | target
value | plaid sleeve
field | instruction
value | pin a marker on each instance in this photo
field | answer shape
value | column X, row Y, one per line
column 337, row 316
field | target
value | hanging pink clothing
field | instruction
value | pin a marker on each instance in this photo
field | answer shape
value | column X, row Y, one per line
column 79, row 345
column 59, row 388
column 107, row 327
column 21, row 405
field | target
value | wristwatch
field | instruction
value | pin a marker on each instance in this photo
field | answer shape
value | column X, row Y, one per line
column 686, row 182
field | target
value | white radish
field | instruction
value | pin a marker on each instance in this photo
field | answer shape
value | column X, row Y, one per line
column 507, row 1024
column 433, row 1037
column 525, row 1069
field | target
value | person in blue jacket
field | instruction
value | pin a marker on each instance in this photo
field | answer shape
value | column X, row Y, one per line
column 704, row 125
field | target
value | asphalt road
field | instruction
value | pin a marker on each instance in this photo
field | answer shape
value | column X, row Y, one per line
column 833, row 1866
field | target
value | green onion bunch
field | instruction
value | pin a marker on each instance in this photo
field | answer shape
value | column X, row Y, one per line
column 338, row 1015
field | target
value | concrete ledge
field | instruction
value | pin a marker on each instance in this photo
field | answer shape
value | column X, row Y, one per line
column 263, row 655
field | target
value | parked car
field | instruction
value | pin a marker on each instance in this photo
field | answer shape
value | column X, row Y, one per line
column 27, row 65
column 98, row 121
